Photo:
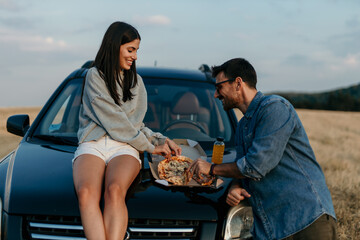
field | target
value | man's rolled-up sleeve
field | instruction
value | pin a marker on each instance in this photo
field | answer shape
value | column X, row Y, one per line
column 246, row 170
column 273, row 129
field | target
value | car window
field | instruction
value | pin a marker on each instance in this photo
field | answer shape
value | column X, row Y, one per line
column 61, row 119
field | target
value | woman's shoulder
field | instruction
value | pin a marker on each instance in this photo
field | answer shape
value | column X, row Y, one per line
column 93, row 74
column 93, row 78
column 139, row 80
column 139, row 77
column 93, row 71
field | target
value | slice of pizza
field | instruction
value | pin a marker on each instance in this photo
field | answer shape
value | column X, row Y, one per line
column 173, row 170
column 204, row 180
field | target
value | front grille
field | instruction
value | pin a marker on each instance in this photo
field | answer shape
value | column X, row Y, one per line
column 50, row 227
column 65, row 228
column 163, row 229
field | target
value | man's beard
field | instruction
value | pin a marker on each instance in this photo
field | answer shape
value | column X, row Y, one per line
column 228, row 104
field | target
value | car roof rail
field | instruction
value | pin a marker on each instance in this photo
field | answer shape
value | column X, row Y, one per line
column 205, row 68
column 88, row 64
column 207, row 71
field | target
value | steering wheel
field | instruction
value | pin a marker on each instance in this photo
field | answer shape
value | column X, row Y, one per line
column 182, row 121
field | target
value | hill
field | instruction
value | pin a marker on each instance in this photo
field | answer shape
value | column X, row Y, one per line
column 344, row 99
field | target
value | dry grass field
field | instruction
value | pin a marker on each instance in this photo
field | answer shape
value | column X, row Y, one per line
column 8, row 141
column 335, row 137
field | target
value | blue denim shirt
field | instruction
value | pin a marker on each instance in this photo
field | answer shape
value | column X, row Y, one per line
column 287, row 186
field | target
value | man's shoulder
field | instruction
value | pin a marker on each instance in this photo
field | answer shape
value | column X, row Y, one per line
column 274, row 99
column 275, row 104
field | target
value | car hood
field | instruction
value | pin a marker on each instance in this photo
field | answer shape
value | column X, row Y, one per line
column 39, row 181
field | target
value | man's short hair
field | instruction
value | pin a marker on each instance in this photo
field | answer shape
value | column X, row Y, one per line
column 237, row 67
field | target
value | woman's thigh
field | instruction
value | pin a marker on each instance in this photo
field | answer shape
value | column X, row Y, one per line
column 88, row 173
column 121, row 171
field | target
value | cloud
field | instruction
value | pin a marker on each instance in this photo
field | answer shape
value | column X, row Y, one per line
column 344, row 44
column 155, row 20
column 353, row 22
column 347, row 63
column 352, row 60
column 326, row 64
column 17, row 22
column 9, row 5
column 299, row 60
column 31, row 42
column 243, row 36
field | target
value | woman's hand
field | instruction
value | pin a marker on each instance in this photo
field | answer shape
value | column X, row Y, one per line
column 167, row 149
column 175, row 149
column 162, row 150
column 236, row 194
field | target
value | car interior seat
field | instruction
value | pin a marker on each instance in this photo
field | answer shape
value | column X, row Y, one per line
column 186, row 106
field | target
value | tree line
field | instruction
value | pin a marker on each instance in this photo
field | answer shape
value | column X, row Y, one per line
column 347, row 99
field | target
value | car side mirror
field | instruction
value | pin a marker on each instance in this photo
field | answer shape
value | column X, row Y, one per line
column 18, row 124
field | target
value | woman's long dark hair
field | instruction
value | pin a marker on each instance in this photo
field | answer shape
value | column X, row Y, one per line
column 107, row 60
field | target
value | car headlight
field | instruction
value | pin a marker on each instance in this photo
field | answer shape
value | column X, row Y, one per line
column 239, row 222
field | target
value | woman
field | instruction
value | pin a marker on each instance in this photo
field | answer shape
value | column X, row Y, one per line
column 111, row 134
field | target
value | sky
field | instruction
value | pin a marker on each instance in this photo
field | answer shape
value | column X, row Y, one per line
column 294, row 45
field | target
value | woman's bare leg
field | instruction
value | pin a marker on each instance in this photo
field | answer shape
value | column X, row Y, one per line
column 120, row 173
column 88, row 174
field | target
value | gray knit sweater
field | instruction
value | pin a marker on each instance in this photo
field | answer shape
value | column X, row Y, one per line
column 100, row 115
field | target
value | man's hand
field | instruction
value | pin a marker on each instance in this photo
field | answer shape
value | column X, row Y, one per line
column 199, row 166
column 236, row 194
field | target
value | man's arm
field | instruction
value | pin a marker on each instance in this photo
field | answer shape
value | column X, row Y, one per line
column 229, row 170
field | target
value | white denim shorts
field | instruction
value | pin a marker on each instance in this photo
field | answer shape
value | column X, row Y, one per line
column 106, row 148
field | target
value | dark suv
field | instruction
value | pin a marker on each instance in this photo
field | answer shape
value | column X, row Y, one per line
column 37, row 197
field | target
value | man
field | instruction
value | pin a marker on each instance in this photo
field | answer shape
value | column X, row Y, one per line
column 275, row 167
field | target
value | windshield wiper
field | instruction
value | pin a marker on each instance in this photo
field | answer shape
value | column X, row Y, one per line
column 56, row 139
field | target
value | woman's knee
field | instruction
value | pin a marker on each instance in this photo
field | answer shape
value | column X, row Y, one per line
column 88, row 195
column 114, row 193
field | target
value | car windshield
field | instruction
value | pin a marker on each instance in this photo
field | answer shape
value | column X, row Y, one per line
column 176, row 108
column 183, row 109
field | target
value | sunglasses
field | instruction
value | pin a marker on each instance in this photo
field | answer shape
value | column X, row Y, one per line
column 219, row 83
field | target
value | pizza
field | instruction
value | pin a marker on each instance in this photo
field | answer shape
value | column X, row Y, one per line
column 173, row 170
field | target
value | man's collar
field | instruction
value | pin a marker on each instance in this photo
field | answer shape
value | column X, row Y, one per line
column 254, row 105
